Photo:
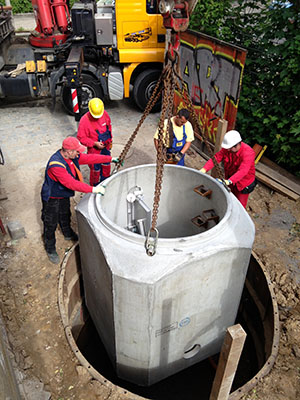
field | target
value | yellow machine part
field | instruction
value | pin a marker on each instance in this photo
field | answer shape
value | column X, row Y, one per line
column 41, row 65
column 127, row 72
column 30, row 66
column 139, row 34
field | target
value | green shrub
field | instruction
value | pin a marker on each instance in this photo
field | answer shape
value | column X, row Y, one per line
column 269, row 104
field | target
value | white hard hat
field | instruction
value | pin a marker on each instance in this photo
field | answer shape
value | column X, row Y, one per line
column 231, row 138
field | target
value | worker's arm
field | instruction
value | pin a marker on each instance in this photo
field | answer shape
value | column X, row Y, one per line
column 189, row 137
column 209, row 164
column 181, row 153
column 108, row 143
column 156, row 143
column 248, row 161
column 108, row 122
column 83, row 133
column 186, row 147
column 94, row 159
column 62, row 176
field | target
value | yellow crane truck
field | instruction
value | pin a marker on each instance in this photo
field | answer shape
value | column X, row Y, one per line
column 109, row 49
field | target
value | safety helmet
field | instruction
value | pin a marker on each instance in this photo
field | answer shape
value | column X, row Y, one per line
column 96, row 107
column 231, row 138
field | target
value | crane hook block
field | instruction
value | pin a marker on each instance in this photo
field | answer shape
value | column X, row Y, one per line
column 175, row 15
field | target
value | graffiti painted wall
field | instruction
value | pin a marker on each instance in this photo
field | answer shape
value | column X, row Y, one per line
column 212, row 71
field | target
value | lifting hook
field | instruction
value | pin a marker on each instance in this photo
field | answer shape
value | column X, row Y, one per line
column 151, row 242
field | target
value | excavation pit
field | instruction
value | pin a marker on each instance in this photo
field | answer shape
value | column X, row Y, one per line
column 162, row 300
column 258, row 315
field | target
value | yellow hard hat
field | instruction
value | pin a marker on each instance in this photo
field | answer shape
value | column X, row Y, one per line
column 96, row 107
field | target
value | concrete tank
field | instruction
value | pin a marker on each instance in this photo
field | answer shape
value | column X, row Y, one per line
column 161, row 314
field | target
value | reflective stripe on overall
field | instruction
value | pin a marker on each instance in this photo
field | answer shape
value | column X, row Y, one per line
column 178, row 145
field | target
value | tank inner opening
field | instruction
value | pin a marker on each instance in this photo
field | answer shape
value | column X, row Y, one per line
column 190, row 203
column 257, row 315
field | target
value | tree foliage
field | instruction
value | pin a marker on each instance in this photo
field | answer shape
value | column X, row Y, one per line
column 269, row 104
column 20, row 6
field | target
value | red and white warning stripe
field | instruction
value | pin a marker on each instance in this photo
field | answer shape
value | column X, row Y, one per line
column 75, row 100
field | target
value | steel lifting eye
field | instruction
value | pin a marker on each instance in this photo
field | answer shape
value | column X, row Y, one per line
column 151, row 242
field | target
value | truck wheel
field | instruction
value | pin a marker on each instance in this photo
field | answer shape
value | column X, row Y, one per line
column 90, row 88
column 143, row 88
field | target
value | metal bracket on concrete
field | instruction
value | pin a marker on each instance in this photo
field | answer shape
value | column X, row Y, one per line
column 210, row 215
column 203, row 191
column 207, row 215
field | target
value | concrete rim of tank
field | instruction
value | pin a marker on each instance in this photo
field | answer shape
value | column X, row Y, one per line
column 237, row 394
column 181, row 241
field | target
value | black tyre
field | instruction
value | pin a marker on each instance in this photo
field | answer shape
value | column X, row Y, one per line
column 143, row 89
column 90, row 88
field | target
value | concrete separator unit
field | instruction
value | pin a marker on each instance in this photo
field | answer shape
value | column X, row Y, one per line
column 159, row 315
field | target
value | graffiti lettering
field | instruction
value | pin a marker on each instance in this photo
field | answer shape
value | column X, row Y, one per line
column 212, row 73
column 212, row 79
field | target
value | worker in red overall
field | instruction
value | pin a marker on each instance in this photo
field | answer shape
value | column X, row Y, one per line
column 94, row 132
column 62, row 179
column 239, row 165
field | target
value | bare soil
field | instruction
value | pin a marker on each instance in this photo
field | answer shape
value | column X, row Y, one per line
column 28, row 281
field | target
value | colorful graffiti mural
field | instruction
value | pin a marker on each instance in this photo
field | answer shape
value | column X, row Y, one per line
column 212, row 71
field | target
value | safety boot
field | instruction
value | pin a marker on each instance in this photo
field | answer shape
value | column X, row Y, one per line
column 72, row 236
column 53, row 257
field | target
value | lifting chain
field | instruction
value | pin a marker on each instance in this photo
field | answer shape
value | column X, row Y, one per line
column 166, row 113
column 152, row 101
column 166, row 85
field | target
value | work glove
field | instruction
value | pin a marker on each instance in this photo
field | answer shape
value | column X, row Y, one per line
column 203, row 170
column 99, row 189
column 117, row 161
column 227, row 182
column 178, row 156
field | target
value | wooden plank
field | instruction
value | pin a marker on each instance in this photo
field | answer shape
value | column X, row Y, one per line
column 229, row 358
column 282, row 171
column 276, row 186
column 222, row 129
column 257, row 149
column 277, row 177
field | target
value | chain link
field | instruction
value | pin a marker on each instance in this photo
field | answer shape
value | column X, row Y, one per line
column 152, row 101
